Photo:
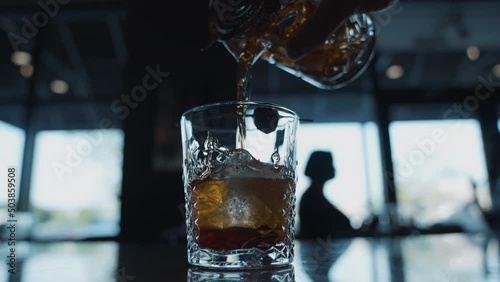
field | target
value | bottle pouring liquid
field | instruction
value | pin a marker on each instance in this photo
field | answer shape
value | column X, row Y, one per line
column 253, row 29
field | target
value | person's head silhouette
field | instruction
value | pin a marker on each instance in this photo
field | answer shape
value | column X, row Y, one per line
column 318, row 216
column 320, row 166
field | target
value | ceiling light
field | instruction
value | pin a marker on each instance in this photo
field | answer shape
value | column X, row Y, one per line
column 59, row 87
column 473, row 53
column 496, row 70
column 21, row 58
column 26, row 70
column 395, row 72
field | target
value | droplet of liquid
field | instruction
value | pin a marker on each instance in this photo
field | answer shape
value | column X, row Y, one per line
column 276, row 158
column 221, row 158
column 211, row 143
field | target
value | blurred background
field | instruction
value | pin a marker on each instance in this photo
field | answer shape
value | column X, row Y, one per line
column 415, row 139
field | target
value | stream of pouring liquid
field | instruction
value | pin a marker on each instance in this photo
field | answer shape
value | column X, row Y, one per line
column 244, row 76
column 255, row 45
column 243, row 81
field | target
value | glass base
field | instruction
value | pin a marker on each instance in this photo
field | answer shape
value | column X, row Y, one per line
column 241, row 259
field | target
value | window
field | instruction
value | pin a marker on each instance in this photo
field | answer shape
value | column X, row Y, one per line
column 11, row 152
column 357, row 188
column 76, row 183
column 437, row 163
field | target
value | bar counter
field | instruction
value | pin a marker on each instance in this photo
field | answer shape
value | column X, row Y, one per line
column 420, row 258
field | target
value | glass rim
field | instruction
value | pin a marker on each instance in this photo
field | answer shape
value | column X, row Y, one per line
column 205, row 107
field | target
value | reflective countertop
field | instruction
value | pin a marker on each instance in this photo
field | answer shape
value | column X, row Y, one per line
column 450, row 257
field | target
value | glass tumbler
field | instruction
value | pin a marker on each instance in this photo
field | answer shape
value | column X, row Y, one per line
column 239, row 177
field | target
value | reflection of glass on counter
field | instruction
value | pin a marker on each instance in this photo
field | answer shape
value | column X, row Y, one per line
column 285, row 274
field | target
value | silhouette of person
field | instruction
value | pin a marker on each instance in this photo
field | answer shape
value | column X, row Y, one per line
column 318, row 217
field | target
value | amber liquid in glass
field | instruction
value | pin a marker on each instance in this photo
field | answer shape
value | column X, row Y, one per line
column 241, row 213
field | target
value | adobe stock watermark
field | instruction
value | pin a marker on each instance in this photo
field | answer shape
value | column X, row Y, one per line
column 484, row 89
column 222, row 7
column 139, row 93
column 75, row 155
column 426, row 147
column 383, row 18
column 31, row 26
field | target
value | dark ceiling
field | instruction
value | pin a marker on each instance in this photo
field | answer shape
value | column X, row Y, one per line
column 83, row 45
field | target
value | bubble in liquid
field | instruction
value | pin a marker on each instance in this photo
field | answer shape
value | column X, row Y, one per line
column 276, row 158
